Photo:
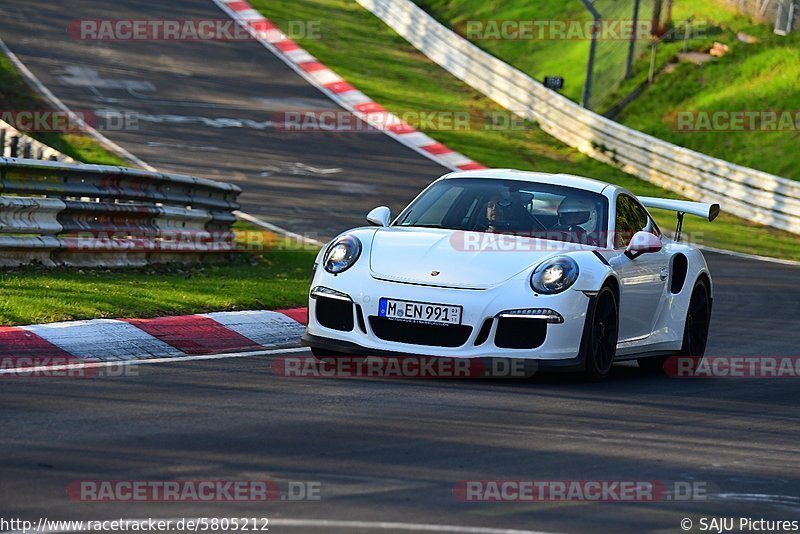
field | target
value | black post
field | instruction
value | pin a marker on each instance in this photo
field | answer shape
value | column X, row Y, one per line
column 13, row 147
column 632, row 46
column 587, row 86
column 679, row 228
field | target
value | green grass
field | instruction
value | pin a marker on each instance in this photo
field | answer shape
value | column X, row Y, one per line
column 271, row 280
column 16, row 94
column 756, row 77
column 389, row 70
column 535, row 56
column 368, row 54
column 561, row 57
column 762, row 76
column 275, row 278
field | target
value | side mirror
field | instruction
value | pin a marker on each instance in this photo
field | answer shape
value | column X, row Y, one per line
column 380, row 216
column 643, row 243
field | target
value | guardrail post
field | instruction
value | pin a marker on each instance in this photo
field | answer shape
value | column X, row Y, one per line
column 2, row 142
column 13, row 147
column 26, row 150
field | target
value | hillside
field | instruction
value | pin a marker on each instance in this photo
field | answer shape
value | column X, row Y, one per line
column 754, row 77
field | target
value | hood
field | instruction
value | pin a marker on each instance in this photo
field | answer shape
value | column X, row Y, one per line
column 468, row 260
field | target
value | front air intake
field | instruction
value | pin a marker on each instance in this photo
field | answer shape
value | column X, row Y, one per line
column 335, row 314
column 432, row 335
column 520, row 333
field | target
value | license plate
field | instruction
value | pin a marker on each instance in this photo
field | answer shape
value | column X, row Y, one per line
column 420, row 312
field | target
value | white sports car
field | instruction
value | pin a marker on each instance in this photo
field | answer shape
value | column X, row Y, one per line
column 567, row 271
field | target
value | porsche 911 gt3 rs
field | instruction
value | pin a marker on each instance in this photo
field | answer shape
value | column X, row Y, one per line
column 567, row 271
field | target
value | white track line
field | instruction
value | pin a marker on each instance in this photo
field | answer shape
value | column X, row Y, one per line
column 271, row 227
column 31, row 77
column 44, row 91
column 114, row 147
column 746, row 256
column 223, row 5
column 335, row 524
column 336, row 98
column 150, row 361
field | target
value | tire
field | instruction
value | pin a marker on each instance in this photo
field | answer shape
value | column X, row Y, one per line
column 695, row 332
column 601, row 336
column 698, row 319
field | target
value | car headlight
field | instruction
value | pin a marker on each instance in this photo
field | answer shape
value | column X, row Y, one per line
column 341, row 254
column 555, row 275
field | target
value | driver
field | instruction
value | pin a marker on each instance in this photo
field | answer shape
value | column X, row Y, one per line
column 572, row 213
column 499, row 212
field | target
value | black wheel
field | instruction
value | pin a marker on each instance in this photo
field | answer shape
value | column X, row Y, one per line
column 698, row 318
column 600, row 339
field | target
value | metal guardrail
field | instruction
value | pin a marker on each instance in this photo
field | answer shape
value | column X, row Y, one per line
column 57, row 213
column 15, row 144
column 751, row 194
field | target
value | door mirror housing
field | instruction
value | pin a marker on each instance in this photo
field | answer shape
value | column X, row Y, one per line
column 380, row 216
column 643, row 243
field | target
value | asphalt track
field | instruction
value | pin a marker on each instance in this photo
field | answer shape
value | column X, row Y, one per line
column 177, row 88
column 383, row 451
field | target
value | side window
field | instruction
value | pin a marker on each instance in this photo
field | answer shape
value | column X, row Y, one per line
column 439, row 209
column 653, row 228
column 631, row 218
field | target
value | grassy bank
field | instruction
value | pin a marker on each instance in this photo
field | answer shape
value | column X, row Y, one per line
column 273, row 279
column 537, row 57
column 382, row 64
column 759, row 77
column 274, row 276
column 751, row 77
column 16, row 94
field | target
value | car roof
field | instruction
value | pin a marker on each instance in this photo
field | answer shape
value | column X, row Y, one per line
column 567, row 180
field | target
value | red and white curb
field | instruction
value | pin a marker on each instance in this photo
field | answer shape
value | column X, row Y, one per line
column 341, row 92
column 109, row 340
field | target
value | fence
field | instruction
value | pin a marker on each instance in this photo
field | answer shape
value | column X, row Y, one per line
column 57, row 213
column 611, row 61
column 785, row 14
column 787, row 17
column 751, row 194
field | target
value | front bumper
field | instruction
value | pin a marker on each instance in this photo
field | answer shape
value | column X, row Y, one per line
column 360, row 297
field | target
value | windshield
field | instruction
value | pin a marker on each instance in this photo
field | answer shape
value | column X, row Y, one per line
column 511, row 207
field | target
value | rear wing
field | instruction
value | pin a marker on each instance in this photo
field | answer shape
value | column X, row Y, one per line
column 682, row 207
column 700, row 209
